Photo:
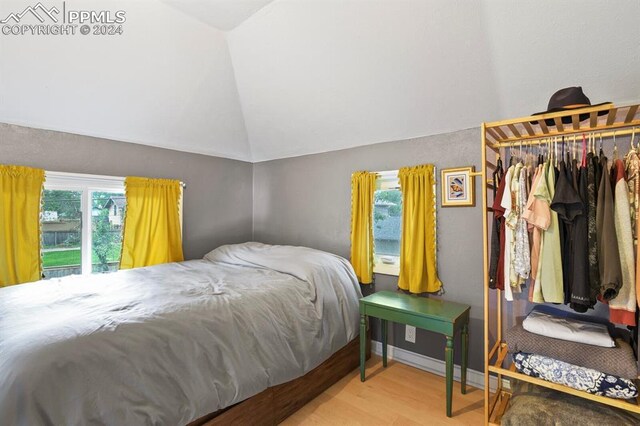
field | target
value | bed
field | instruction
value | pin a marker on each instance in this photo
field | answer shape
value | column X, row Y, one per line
column 172, row 343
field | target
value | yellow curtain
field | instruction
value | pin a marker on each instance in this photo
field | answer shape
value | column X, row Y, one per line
column 152, row 233
column 20, row 197
column 418, row 272
column 363, row 185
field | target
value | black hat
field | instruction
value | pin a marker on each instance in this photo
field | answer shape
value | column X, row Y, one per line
column 567, row 99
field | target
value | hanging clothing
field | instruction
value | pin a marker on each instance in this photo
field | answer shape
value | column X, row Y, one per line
column 568, row 205
column 632, row 169
column 592, row 235
column 608, row 255
column 580, row 299
column 632, row 174
column 20, row 197
column 496, row 244
column 538, row 217
column 622, row 308
column 152, row 232
column 522, row 260
column 512, row 219
column 550, row 262
column 498, row 212
column 508, row 234
column 418, row 269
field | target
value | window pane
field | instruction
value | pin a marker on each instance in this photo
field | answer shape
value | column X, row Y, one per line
column 61, row 233
column 387, row 218
column 107, row 218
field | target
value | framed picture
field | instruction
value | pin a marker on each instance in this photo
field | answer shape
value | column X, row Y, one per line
column 457, row 187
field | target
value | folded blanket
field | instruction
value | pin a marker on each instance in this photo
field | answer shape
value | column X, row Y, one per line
column 573, row 376
column 618, row 361
column 568, row 329
column 532, row 405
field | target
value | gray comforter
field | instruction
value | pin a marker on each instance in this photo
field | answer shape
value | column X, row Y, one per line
column 169, row 343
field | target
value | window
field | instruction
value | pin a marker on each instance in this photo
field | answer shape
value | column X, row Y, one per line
column 387, row 223
column 81, row 224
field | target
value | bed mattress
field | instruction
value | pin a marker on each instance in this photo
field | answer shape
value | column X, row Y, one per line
column 170, row 343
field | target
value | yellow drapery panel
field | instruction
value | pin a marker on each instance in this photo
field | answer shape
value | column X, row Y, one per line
column 20, row 198
column 152, row 233
column 418, row 272
column 363, row 185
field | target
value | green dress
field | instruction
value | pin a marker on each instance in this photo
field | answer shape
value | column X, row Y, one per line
column 549, row 275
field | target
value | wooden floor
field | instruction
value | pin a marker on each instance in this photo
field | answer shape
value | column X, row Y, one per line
column 397, row 395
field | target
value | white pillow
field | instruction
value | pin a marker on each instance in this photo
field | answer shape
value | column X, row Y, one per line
column 568, row 329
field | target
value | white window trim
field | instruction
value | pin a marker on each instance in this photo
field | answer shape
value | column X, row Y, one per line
column 88, row 184
column 386, row 269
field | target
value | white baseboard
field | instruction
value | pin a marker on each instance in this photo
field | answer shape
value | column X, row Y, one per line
column 432, row 365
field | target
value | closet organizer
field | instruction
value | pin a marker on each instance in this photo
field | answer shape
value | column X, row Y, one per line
column 606, row 122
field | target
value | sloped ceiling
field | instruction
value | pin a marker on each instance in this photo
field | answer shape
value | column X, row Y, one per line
column 294, row 77
column 222, row 14
column 166, row 81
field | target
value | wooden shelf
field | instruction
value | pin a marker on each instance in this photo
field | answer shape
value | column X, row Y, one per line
column 594, row 119
column 602, row 121
column 498, row 368
column 499, row 402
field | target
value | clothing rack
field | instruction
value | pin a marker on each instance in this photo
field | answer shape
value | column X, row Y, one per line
column 603, row 121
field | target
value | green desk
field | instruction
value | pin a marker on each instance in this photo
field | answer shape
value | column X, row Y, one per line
column 429, row 314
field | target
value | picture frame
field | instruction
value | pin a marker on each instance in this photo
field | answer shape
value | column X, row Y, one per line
column 457, row 187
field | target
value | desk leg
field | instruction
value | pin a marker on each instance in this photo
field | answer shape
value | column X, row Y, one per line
column 384, row 325
column 363, row 344
column 448, row 354
column 465, row 357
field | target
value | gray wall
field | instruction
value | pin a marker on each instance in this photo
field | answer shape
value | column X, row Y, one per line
column 217, row 200
column 306, row 201
column 301, row 201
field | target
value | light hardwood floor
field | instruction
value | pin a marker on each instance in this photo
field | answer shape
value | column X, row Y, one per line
column 397, row 395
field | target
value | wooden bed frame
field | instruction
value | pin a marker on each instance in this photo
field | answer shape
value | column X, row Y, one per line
column 274, row 404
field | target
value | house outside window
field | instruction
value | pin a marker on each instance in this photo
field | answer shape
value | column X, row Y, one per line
column 116, row 206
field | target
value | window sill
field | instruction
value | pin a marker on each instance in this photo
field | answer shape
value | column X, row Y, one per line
column 386, row 269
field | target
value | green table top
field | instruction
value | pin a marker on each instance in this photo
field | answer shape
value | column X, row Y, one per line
column 422, row 306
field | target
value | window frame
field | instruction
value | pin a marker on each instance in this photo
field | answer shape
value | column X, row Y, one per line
column 88, row 184
column 378, row 266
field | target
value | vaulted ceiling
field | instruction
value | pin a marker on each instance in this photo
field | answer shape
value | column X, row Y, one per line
column 260, row 79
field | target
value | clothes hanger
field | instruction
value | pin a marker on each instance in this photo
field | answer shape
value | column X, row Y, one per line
column 511, row 153
column 498, row 173
column 601, row 153
column 539, row 152
column 615, row 147
column 520, row 153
